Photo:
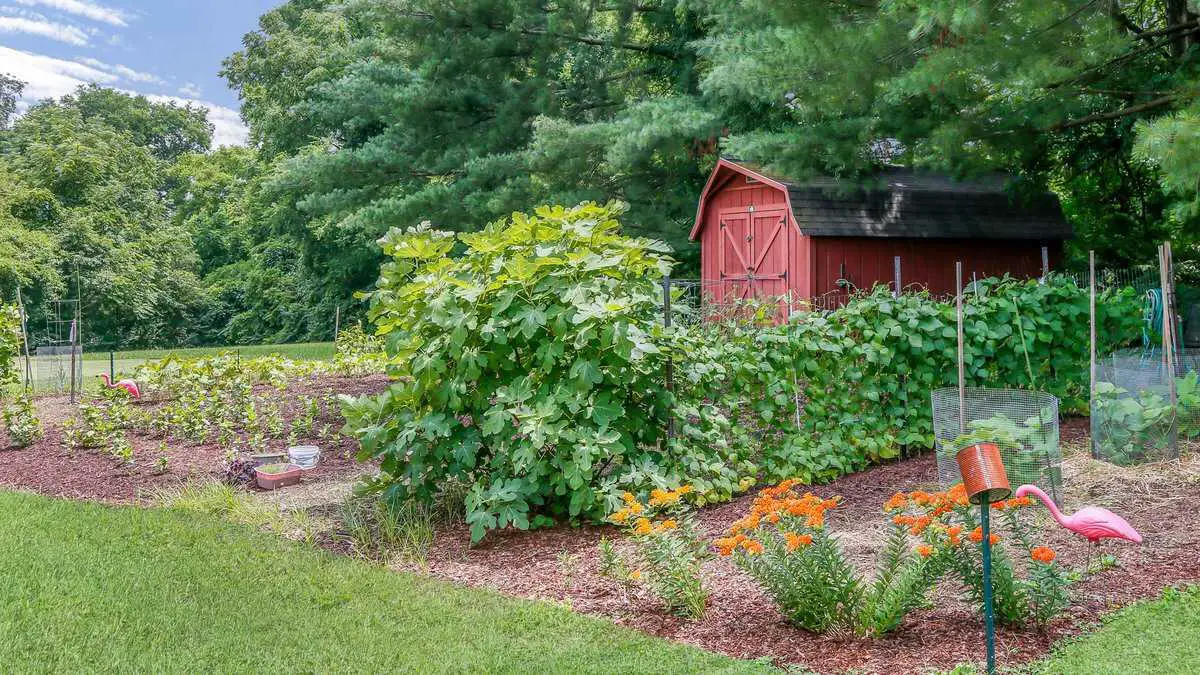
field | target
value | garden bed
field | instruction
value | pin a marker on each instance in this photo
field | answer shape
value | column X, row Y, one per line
column 561, row 565
column 48, row 468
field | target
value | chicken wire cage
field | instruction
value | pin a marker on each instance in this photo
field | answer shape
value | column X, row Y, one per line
column 1144, row 411
column 1023, row 424
column 52, row 368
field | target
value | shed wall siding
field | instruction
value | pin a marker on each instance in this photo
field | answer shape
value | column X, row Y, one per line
column 928, row 262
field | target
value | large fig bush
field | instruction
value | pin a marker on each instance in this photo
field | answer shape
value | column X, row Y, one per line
column 530, row 362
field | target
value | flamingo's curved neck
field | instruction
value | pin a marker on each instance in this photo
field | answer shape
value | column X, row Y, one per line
column 1048, row 502
column 107, row 382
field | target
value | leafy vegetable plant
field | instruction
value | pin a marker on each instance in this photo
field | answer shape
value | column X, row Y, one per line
column 531, row 368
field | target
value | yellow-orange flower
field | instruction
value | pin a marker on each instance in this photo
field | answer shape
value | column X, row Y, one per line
column 795, row 541
column 897, row 502
column 668, row 524
column 977, row 536
column 628, row 497
column 752, row 547
column 954, row 532
column 635, row 575
column 620, row 517
column 924, row 550
column 725, row 545
column 1042, row 554
column 642, row 526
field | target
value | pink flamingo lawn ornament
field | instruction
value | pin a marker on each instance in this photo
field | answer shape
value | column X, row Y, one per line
column 1091, row 522
column 128, row 385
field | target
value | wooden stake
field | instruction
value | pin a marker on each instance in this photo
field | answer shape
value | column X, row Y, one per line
column 1168, row 291
column 25, row 341
column 1045, row 262
column 962, row 379
column 1092, row 338
column 896, row 264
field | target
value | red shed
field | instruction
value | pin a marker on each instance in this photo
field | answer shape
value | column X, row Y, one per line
column 767, row 236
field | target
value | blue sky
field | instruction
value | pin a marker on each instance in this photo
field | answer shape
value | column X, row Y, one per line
column 165, row 49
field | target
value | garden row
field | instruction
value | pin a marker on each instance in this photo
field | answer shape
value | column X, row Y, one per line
column 234, row 402
column 784, row 545
column 536, row 372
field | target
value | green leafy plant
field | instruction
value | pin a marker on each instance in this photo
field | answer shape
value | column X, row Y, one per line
column 21, row 422
column 358, row 353
column 668, row 550
column 1133, row 427
column 1028, row 447
column 530, row 368
column 829, row 393
column 784, row 545
column 1028, row 586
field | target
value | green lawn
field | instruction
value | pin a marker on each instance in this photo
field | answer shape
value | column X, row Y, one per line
column 1162, row 636
column 123, row 363
column 299, row 351
column 119, row 589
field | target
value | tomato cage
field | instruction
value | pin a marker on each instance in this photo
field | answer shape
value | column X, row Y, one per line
column 1144, row 410
column 1022, row 424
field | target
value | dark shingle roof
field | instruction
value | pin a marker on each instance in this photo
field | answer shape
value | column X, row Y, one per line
column 912, row 203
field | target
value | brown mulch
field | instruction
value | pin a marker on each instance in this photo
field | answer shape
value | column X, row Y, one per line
column 561, row 565
column 47, row 467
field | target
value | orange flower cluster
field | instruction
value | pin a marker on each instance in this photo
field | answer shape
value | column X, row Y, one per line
column 795, row 541
column 668, row 497
column 1042, row 554
column 954, row 533
column 933, row 503
column 632, row 508
column 770, row 506
column 631, row 515
column 924, row 550
column 1015, row 502
column 977, row 536
column 915, row 524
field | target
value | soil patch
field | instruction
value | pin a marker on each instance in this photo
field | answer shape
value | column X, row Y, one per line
column 47, row 467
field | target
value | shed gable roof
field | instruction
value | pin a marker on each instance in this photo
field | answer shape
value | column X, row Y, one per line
column 898, row 202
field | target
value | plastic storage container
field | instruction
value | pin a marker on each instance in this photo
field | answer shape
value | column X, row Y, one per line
column 304, row 456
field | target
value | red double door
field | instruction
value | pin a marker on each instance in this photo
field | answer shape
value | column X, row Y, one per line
column 753, row 262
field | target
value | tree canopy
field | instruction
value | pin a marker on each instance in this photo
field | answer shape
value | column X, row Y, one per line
column 371, row 114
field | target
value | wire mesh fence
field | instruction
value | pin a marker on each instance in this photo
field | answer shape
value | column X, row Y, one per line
column 1143, row 410
column 1023, row 424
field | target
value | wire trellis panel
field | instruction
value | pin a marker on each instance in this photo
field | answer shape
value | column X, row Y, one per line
column 1024, row 424
column 1142, row 412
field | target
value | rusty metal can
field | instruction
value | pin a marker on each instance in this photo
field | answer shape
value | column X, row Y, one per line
column 983, row 473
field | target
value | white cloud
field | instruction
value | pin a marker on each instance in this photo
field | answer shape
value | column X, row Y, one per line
column 89, row 10
column 48, row 77
column 191, row 89
column 124, row 72
column 48, row 29
column 228, row 128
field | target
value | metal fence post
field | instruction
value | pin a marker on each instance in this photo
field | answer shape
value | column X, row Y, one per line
column 896, row 262
column 666, row 305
